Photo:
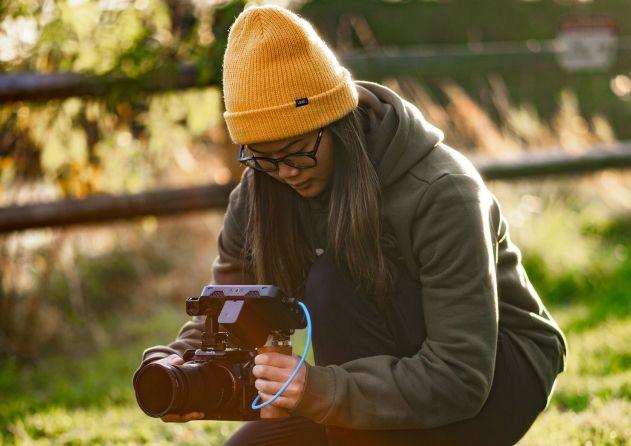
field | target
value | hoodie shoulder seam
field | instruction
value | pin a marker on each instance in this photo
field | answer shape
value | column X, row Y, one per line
column 426, row 181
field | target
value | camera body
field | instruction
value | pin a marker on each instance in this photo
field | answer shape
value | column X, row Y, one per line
column 217, row 378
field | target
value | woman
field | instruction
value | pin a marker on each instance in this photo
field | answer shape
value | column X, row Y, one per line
column 426, row 328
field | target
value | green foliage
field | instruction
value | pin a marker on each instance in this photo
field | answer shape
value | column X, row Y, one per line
column 408, row 22
column 601, row 287
column 86, row 145
column 68, row 309
column 105, row 280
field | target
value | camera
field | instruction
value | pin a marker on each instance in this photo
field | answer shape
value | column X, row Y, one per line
column 217, row 378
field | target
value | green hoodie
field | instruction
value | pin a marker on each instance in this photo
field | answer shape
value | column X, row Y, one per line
column 451, row 235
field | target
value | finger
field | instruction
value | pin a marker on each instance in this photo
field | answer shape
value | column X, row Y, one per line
column 276, row 360
column 193, row 416
column 271, row 373
column 177, row 361
column 170, row 418
column 271, row 387
column 281, row 401
column 182, row 418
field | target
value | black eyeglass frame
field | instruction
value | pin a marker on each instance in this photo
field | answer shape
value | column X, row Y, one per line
column 310, row 154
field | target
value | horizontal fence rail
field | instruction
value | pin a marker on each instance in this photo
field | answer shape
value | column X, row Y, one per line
column 425, row 60
column 435, row 60
column 104, row 208
column 544, row 162
column 42, row 87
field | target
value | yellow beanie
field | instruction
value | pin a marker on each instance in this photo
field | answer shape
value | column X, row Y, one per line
column 280, row 79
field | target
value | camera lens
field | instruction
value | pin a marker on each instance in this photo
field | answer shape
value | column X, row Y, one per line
column 191, row 387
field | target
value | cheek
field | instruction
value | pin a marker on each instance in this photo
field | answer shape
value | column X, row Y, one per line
column 326, row 168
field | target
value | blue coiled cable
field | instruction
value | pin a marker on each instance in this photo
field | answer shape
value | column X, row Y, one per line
column 295, row 372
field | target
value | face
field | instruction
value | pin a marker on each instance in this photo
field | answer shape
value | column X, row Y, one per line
column 309, row 182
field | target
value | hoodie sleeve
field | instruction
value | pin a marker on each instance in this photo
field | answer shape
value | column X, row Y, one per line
column 227, row 268
column 449, row 379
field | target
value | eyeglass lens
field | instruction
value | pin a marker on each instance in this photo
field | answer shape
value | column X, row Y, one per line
column 299, row 161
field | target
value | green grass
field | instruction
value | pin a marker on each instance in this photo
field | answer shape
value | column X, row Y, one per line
column 592, row 303
column 90, row 401
column 116, row 424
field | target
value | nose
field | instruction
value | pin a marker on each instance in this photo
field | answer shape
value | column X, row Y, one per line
column 285, row 171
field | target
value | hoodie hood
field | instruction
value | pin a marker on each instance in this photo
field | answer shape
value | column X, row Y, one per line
column 397, row 134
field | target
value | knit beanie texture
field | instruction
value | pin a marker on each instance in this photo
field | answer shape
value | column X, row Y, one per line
column 280, row 79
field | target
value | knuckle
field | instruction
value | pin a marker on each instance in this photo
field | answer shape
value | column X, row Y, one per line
column 261, row 359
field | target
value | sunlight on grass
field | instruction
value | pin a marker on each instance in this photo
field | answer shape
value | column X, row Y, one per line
column 599, row 366
column 592, row 401
column 602, row 423
column 116, row 425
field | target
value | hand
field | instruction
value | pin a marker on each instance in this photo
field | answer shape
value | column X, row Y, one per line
column 272, row 371
column 177, row 417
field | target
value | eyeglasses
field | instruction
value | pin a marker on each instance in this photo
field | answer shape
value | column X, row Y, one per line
column 299, row 160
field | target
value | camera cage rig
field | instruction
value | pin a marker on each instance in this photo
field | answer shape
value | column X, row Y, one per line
column 248, row 314
column 239, row 322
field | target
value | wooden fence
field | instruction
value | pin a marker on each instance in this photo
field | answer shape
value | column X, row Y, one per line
column 426, row 60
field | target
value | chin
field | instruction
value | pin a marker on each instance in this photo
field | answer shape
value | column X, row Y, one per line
column 310, row 192
column 307, row 193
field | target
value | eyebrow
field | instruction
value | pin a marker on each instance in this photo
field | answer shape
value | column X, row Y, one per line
column 289, row 144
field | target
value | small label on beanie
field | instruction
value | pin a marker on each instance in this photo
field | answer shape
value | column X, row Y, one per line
column 302, row 101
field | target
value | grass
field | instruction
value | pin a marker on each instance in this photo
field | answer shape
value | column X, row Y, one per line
column 120, row 424
column 592, row 303
column 89, row 400
column 592, row 400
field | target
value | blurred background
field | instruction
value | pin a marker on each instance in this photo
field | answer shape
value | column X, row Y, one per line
column 115, row 166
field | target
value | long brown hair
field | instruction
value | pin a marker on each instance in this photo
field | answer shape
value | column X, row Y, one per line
column 276, row 245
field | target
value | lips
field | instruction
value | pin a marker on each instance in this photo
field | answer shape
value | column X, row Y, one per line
column 299, row 185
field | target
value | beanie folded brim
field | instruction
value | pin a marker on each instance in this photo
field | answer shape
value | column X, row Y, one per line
column 287, row 120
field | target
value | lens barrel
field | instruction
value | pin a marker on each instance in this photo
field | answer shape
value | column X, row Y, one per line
column 190, row 387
